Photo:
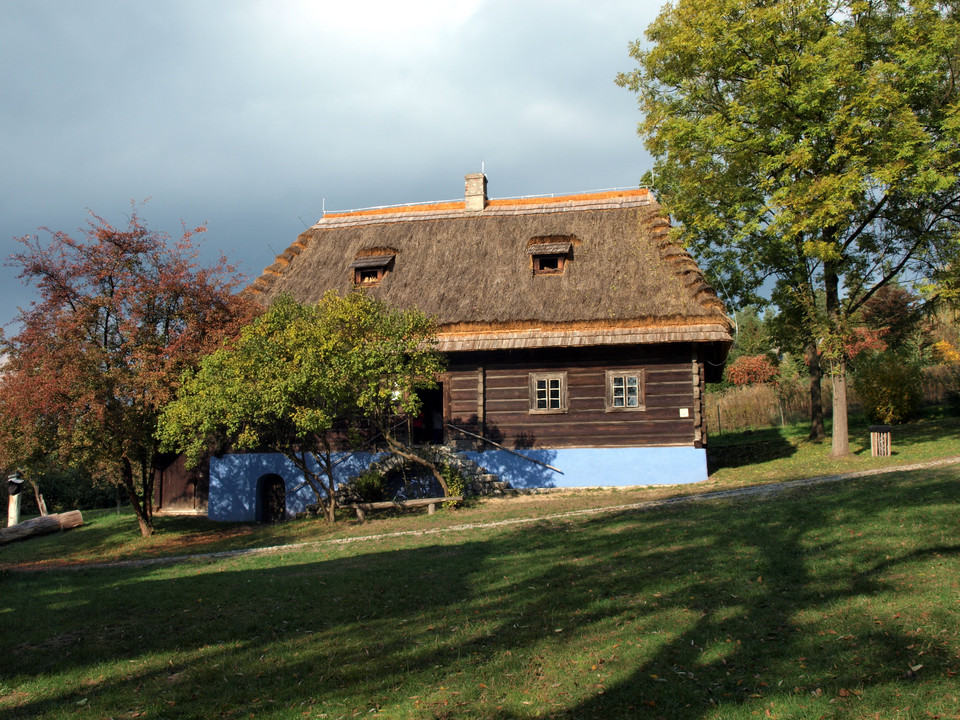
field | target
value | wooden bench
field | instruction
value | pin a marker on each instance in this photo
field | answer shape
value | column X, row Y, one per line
column 431, row 503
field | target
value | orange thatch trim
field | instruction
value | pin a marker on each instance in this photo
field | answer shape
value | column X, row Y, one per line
column 558, row 337
column 508, row 202
column 609, row 194
column 424, row 207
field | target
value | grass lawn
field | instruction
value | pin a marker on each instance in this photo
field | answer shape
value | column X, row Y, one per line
column 778, row 454
column 838, row 601
column 833, row 601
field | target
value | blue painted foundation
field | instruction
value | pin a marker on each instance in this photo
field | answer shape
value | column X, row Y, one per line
column 234, row 478
column 597, row 467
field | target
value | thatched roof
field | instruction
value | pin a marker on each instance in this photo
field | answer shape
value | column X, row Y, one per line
column 623, row 281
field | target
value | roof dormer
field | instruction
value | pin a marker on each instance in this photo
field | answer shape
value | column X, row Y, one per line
column 369, row 266
column 550, row 255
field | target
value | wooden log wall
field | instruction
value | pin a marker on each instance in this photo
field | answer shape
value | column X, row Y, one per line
column 492, row 396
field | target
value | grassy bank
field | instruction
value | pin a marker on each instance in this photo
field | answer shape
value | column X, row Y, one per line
column 839, row 601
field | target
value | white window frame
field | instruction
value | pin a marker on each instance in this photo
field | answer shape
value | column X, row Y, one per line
column 555, row 385
column 624, row 376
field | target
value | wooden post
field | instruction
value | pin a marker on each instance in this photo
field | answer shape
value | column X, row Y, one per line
column 13, row 509
column 880, row 440
column 14, row 486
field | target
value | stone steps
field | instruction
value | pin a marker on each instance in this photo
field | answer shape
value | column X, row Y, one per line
column 479, row 481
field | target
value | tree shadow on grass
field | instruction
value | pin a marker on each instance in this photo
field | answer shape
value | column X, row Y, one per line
column 748, row 447
column 662, row 614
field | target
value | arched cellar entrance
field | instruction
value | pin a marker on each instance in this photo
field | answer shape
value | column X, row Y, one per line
column 271, row 499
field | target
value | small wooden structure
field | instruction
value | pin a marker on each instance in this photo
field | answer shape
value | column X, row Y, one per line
column 179, row 490
column 363, row 508
column 880, row 440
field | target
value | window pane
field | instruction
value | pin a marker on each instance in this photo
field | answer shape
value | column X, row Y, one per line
column 554, row 393
column 542, row 395
column 618, row 392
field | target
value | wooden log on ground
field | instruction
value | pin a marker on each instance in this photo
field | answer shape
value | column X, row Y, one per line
column 41, row 526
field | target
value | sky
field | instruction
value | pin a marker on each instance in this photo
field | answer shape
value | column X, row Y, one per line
column 253, row 116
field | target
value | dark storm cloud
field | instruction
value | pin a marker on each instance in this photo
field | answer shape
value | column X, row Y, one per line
column 252, row 115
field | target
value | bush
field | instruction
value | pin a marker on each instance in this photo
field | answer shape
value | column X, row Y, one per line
column 889, row 388
column 751, row 370
column 370, row 486
column 456, row 482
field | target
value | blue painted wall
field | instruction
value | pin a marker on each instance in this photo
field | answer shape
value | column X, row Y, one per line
column 597, row 467
column 233, row 478
column 233, row 482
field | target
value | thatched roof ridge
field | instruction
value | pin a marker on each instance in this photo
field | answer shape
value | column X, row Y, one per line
column 624, row 281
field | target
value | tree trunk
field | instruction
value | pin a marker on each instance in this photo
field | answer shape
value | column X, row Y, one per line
column 41, row 504
column 324, row 492
column 144, row 517
column 398, row 448
column 838, row 366
column 817, row 433
column 330, row 507
column 841, row 433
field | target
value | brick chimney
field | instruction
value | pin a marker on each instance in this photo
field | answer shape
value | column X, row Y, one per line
column 475, row 192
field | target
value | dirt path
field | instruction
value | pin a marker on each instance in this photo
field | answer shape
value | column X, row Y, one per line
column 753, row 491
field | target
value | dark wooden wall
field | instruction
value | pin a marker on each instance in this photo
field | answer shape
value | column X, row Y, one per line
column 489, row 393
column 179, row 489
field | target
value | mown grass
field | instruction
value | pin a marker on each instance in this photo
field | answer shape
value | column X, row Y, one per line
column 781, row 454
column 839, row 601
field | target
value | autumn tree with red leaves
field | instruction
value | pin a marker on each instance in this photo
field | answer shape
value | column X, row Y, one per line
column 751, row 370
column 122, row 313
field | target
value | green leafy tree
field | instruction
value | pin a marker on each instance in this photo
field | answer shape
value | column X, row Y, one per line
column 752, row 335
column 788, row 328
column 306, row 381
column 121, row 313
column 889, row 385
column 812, row 143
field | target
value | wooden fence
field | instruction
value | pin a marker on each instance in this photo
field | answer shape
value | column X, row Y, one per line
column 760, row 406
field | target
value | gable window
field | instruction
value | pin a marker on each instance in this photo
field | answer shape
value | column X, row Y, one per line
column 548, row 392
column 550, row 258
column 625, row 390
column 369, row 270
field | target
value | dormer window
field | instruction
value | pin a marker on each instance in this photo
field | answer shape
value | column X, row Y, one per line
column 368, row 271
column 549, row 258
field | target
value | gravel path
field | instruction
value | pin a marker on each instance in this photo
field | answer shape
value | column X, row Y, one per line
column 753, row 491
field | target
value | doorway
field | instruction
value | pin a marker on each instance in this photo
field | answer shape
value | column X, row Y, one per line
column 271, row 499
column 428, row 429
